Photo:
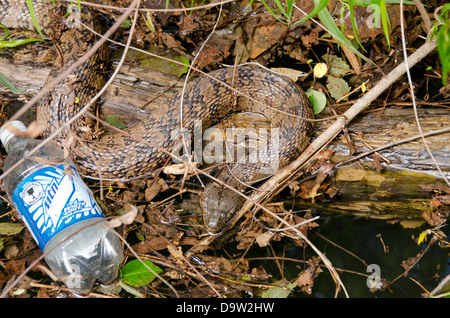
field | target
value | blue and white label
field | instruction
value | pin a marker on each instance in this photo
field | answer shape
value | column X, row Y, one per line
column 50, row 200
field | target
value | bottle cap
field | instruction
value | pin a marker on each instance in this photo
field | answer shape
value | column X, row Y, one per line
column 6, row 134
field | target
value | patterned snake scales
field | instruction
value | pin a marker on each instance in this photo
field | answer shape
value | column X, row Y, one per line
column 117, row 156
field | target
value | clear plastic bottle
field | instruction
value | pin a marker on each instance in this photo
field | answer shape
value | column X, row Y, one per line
column 55, row 204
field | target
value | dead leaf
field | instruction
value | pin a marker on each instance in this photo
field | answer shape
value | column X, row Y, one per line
column 365, row 20
column 410, row 262
column 337, row 87
column 377, row 163
column 175, row 252
column 433, row 218
column 162, row 4
column 308, row 40
column 435, row 203
column 289, row 72
column 188, row 25
column 262, row 34
column 264, row 238
column 215, row 50
column 11, row 251
column 8, row 228
column 171, row 42
column 306, row 277
column 443, row 199
column 331, row 192
column 308, row 190
column 260, row 273
column 154, row 189
column 125, row 219
column 180, row 168
column 338, row 67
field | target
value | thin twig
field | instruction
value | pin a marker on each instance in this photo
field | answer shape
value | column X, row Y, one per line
column 61, row 76
column 333, row 130
column 199, row 275
column 424, row 15
column 413, row 96
column 6, row 291
column 205, row 6
column 340, row 123
column 394, row 143
column 184, row 88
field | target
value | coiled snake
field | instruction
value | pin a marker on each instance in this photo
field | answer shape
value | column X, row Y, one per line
column 117, row 156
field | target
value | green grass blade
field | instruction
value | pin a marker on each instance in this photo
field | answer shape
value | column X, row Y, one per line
column 289, row 7
column 7, row 33
column 280, row 7
column 14, row 43
column 443, row 46
column 351, row 5
column 317, row 8
column 366, row 3
column 271, row 12
column 328, row 21
column 385, row 21
column 9, row 85
column 33, row 17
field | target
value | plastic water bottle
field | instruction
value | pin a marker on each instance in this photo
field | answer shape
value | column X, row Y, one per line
column 60, row 212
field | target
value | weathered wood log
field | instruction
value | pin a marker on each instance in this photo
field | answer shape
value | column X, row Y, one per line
column 395, row 183
column 395, row 192
column 131, row 97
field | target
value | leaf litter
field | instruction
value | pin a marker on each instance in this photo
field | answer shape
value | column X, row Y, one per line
column 160, row 218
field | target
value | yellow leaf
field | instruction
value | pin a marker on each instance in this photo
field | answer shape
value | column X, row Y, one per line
column 421, row 237
column 320, row 70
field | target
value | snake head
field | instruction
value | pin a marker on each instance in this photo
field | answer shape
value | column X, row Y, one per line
column 219, row 205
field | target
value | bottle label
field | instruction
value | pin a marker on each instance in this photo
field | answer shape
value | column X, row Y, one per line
column 50, row 200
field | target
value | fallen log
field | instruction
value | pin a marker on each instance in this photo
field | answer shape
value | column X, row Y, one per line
column 395, row 183
column 392, row 184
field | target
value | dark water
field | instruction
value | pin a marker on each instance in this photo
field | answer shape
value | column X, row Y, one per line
column 372, row 241
column 375, row 242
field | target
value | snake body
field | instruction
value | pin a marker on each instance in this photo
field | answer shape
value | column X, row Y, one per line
column 207, row 99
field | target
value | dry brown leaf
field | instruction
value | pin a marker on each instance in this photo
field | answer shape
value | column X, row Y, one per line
column 263, row 239
column 410, row 262
column 154, row 189
column 306, row 277
column 433, row 218
column 289, row 72
column 126, row 219
column 180, row 168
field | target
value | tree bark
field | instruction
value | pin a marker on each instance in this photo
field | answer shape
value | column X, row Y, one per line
column 389, row 186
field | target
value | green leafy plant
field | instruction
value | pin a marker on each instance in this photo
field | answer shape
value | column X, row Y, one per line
column 135, row 273
column 9, row 44
column 192, row 5
column 318, row 100
column 178, row 69
column 14, row 43
column 9, row 85
column 328, row 21
column 286, row 10
column 33, row 18
column 7, row 33
column 115, row 121
column 441, row 28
